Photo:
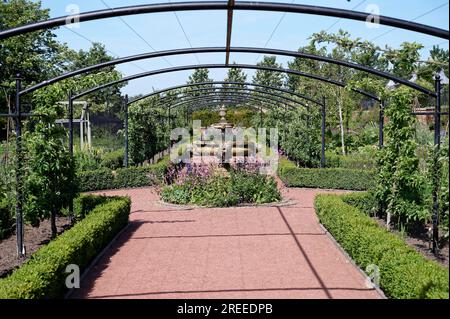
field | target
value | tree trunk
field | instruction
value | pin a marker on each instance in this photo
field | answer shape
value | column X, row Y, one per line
column 341, row 122
column 53, row 224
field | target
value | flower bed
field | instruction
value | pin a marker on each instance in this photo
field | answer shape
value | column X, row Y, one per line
column 209, row 185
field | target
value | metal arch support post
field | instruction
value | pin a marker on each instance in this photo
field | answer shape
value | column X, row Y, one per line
column 70, row 117
column 381, row 126
column 436, row 179
column 125, row 105
column 19, row 169
column 169, row 127
column 322, row 154
column 229, row 30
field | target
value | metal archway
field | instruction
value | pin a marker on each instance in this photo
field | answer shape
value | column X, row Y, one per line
column 230, row 6
column 294, row 54
column 230, row 90
column 218, row 66
column 224, row 5
column 302, row 96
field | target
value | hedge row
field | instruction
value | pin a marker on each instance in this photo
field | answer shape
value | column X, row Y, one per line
column 43, row 275
column 365, row 201
column 404, row 273
column 334, row 178
column 354, row 161
column 123, row 177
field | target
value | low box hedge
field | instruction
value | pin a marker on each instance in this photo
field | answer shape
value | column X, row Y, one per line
column 333, row 178
column 404, row 273
column 43, row 275
column 123, row 178
column 353, row 161
column 365, row 201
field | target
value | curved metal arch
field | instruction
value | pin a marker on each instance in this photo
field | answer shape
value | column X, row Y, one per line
column 234, row 100
column 223, row 5
column 217, row 66
column 299, row 95
column 231, row 90
column 294, row 54
column 246, row 95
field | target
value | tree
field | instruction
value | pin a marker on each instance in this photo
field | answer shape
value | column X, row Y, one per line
column 234, row 75
column 33, row 55
column 400, row 187
column 198, row 76
column 50, row 180
column 266, row 77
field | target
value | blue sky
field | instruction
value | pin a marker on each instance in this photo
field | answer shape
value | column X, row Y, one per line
column 208, row 28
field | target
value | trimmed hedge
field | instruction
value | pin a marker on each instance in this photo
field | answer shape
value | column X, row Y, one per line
column 354, row 161
column 123, row 177
column 43, row 275
column 365, row 201
column 404, row 273
column 334, row 178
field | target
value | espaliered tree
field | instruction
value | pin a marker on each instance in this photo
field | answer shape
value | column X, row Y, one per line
column 401, row 189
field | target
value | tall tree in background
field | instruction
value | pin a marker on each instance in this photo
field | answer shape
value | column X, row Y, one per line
column 33, row 55
column 264, row 77
column 234, row 75
column 198, row 76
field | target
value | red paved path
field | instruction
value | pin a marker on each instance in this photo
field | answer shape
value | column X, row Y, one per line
column 248, row 252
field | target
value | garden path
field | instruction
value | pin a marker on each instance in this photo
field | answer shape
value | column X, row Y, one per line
column 245, row 252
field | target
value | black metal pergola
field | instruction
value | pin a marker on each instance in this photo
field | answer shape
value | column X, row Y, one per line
column 230, row 6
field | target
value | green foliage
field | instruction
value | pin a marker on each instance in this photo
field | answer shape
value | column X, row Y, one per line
column 364, row 201
column 113, row 160
column 300, row 136
column 50, row 180
column 401, row 189
column 404, row 273
column 223, row 191
column 123, row 178
column 6, row 220
column 335, row 178
column 149, row 130
column 352, row 161
column 269, row 78
column 43, row 275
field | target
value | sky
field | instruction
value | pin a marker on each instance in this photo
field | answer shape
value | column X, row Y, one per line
column 136, row 34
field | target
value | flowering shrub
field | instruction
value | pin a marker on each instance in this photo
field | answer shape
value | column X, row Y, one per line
column 208, row 185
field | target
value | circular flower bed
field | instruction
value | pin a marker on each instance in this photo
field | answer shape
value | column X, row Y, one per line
column 213, row 186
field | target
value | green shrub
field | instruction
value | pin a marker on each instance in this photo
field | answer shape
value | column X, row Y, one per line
column 123, row 177
column 6, row 220
column 95, row 180
column 334, row 178
column 113, row 160
column 365, row 201
column 352, row 161
column 84, row 204
column 223, row 191
column 43, row 275
column 404, row 273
